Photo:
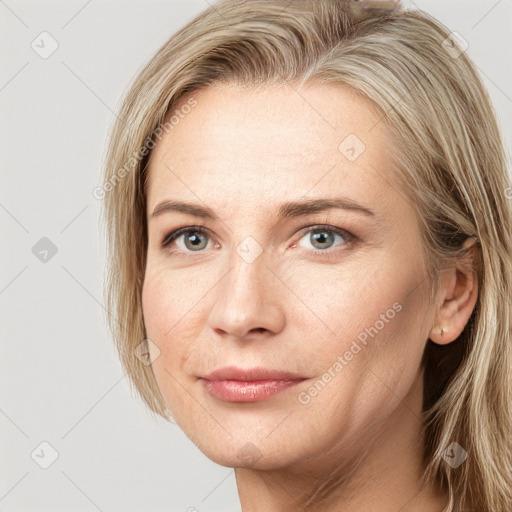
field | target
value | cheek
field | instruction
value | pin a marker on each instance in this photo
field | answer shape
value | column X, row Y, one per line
column 174, row 320
column 339, row 302
column 366, row 367
column 164, row 315
column 364, row 324
column 170, row 301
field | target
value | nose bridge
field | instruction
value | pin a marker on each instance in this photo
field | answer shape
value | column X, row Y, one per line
column 247, row 298
column 249, row 275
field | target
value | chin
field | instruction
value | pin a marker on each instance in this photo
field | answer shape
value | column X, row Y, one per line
column 242, row 452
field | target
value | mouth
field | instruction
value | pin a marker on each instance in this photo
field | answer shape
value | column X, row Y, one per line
column 233, row 384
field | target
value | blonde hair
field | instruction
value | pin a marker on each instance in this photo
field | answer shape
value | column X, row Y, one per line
column 450, row 161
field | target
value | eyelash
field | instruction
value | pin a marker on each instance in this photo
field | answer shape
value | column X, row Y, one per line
column 328, row 253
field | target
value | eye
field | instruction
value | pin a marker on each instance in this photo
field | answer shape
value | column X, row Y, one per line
column 195, row 238
column 323, row 238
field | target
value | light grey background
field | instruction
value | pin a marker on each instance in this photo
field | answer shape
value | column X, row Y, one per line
column 61, row 379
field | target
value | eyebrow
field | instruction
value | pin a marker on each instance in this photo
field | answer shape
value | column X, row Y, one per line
column 286, row 210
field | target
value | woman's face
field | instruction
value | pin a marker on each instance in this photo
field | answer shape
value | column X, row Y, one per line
column 309, row 262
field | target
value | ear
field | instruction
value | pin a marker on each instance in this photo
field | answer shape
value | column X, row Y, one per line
column 458, row 292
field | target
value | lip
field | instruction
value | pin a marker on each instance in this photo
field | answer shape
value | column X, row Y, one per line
column 232, row 384
column 250, row 374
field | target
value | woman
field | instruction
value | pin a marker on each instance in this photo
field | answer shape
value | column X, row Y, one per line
column 309, row 267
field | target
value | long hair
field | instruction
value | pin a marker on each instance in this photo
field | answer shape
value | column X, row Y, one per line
column 450, row 160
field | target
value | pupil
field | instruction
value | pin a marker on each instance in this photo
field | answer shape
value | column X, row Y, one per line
column 322, row 238
column 194, row 239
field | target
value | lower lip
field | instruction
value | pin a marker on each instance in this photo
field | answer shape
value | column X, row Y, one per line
column 245, row 391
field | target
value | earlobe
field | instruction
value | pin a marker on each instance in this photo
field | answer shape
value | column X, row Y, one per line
column 437, row 335
column 459, row 291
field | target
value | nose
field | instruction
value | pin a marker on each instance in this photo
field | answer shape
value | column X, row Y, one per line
column 248, row 301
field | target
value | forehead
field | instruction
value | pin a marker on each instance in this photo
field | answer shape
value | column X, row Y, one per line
column 251, row 147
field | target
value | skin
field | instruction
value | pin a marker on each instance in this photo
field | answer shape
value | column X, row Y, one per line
column 244, row 152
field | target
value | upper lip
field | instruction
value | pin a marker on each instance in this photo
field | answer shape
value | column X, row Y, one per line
column 250, row 374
